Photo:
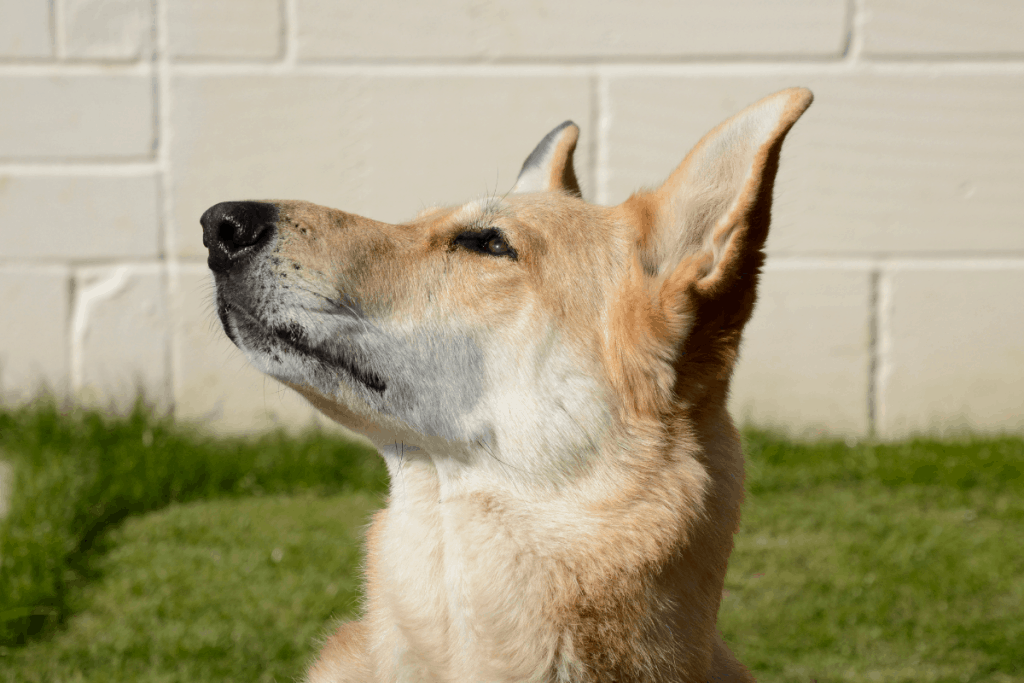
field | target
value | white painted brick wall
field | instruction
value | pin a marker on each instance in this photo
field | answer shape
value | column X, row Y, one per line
column 115, row 30
column 26, row 31
column 225, row 29
column 891, row 302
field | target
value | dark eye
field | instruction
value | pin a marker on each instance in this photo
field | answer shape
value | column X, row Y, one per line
column 498, row 246
column 489, row 241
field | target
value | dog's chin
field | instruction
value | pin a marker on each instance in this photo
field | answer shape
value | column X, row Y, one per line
column 284, row 353
column 338, row 411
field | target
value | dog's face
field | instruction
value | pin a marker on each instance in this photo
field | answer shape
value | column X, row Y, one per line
column 471, row 327
column 511, row 332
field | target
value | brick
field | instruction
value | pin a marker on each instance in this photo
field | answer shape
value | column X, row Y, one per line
column 384, row 147
column 76, row 117
column 938, row 28
column 225, row 29
column 805, row 359
column 119, row 334
column 214, row 385
column 79, row 217
column 881, row 162
column 952, row 351
column 508, row 29
column 34, row 305
column 107, row 29
column 25, row 29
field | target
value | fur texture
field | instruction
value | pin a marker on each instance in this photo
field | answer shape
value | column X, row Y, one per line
column 546, row 380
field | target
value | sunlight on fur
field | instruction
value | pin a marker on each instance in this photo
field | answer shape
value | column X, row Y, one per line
column 546, row 380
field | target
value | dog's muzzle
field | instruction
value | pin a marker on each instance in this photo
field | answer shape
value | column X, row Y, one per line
column 234, row 232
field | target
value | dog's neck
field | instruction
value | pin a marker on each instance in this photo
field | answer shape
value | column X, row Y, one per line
column 465, row 565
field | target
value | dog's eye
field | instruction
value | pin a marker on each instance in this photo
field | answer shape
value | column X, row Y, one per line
column 489, row 241
column 497, row 246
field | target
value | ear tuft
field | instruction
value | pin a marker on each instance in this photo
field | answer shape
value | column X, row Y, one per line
column 549, row 167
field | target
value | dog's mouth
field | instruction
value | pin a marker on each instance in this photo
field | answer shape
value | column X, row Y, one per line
column 259, row 334
column 294, row 337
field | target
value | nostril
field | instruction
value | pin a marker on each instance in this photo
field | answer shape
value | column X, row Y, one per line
column 227, row 233
column 235, row 230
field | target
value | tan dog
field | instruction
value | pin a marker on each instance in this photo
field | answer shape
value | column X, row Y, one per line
column 546, row 380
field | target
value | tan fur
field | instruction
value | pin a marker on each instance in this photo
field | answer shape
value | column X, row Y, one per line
column 573, row 519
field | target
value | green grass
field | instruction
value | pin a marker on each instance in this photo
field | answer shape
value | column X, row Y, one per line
column 873, row 562
column 890, row 563
column 211, row 591
column 78, row 474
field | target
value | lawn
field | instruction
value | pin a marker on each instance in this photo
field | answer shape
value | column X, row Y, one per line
column 177, row 557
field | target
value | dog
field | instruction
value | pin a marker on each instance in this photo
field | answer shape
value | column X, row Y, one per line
column 546, row 380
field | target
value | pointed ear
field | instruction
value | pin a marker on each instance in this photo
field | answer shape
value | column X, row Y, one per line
column 699, row 239
column 549, row 166
column 716, row 206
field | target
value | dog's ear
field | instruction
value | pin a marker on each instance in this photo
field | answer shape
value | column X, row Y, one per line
column 700, row 238
column 549, row 167
column 716, row 205
column 702, row 232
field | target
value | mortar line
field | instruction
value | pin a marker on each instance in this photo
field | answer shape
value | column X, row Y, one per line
column 857, row 18
column 872, row 387
column 54, row 267
column 139, row 67
column 65, row 168
column 289, row 33
column 996, row 262
column 848, row 25
column 86, row 295
column 69, row 355
column 61, row 264
column 883, row 356
column 708, row 68
column 168, row 242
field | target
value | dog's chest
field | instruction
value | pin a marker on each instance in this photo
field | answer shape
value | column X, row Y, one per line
column 469, row 594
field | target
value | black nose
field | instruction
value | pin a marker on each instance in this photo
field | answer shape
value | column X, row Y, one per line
column 235, row 231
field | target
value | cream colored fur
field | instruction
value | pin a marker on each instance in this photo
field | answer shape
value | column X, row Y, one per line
column 565, row 479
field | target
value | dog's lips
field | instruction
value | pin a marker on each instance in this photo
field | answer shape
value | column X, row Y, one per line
column 294, row 339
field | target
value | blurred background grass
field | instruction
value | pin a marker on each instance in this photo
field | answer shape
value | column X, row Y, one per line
column 136, row 549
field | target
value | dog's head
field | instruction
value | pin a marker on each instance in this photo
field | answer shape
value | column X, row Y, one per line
column 524, row 326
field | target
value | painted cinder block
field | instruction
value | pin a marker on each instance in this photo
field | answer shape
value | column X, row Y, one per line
column 951, row 349
column 943, row 28
column 116, row 30
column 883, row 162
column 385, row 147
column 34, row 307
column 805, row 359
column 214, row 385
column 119, row 336
column 574, row 29
column 225, row 29
column 25, row 29
column 71, row 118
column 78, row 217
